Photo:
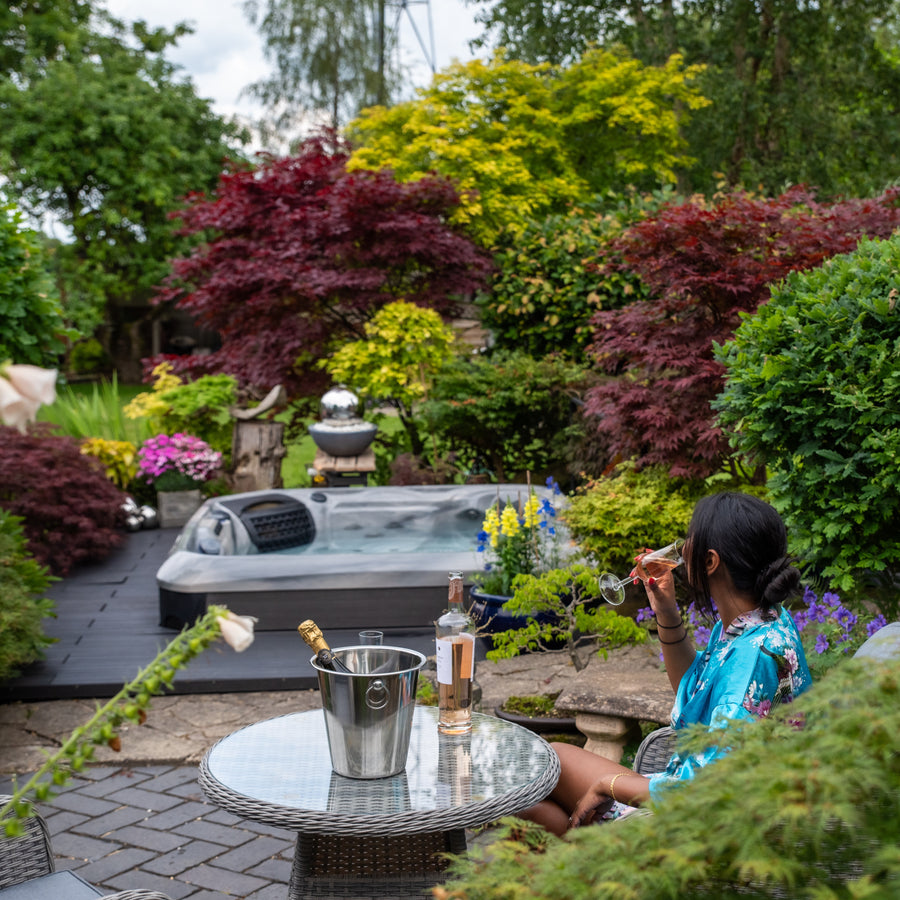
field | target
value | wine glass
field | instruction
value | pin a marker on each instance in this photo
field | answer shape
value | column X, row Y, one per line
column 648, row 565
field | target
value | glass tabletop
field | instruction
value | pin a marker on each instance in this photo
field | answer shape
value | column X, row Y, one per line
column 284, row 764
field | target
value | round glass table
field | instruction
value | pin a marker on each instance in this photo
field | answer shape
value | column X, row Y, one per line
column 376, row 837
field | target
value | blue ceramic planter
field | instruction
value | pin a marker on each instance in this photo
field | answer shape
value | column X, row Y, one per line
column 487, row 612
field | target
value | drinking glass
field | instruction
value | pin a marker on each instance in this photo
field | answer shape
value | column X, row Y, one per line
column 649, row 565
column 371, row 638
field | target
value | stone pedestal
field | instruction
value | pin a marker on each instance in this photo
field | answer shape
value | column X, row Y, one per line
column 176, row 507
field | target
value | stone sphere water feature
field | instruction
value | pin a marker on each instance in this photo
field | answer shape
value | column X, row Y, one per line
column 342, row 432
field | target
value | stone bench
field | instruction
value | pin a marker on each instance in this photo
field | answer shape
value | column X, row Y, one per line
column 610, row 697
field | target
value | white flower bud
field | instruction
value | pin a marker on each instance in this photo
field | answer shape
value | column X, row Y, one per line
column 237, row 631
column 15, row 410
column 33, row 382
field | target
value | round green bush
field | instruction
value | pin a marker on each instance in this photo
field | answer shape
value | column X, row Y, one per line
column 812, row 389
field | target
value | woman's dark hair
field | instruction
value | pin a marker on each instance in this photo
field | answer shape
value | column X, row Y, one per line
column 751, row 541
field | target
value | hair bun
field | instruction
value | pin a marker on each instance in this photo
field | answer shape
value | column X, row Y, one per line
column 777, row 582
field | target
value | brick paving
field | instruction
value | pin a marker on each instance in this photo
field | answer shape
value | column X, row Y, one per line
column 150, row 827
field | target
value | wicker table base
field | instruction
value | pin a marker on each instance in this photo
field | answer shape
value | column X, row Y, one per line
column 377, row 837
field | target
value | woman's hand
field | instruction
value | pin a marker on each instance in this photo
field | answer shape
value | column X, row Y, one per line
column 594, row 803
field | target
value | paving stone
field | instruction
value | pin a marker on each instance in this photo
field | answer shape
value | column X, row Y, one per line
column 202, row 830
column 149, row 838
column 169, row 779
column 231, row 883
column 147, row 881
column 208, row 895
column 112, row 783
column 112, row 822
column 277, row 869
column 270, row 892
column 80, row 846
column 221, row 817
column 252, row 853
column 149, row 800
column 86, row 806
column 190, row 854
column 123, row 861
column 63, row 821
column 176, row 816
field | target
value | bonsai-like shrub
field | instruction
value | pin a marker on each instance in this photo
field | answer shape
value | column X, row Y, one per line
column 71, row 512
column 812, row 391
column 22, row 606
column 563, row 605
column 804, row 806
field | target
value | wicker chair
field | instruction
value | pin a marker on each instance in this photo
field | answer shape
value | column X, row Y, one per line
column 655, row 750
column 31, row 856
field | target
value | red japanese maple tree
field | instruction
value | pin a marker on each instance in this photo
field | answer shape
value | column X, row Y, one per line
column 301, row 253
column 705, row 264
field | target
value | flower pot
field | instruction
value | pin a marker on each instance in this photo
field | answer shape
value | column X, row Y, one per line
column 486, row 611
column 539, row 724
column 176, row 507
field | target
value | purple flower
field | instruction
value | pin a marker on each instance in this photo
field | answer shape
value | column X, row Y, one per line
column 821, row 643
column 875, row 625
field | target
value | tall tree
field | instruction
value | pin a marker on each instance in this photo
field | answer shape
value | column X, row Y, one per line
column 102, row 135
column 706, row 265
column 802, row 90
column 330, row 58
column 523, row 141
column 301, row 254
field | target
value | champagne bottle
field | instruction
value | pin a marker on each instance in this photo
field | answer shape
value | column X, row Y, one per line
column 455, row 646
column 312, row 634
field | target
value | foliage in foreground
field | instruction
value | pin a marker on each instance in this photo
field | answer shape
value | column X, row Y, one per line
column 22, row 604
column 812, row 389
column 130, row 704
column 804, row 806
column 706, row 264
column 72, row 513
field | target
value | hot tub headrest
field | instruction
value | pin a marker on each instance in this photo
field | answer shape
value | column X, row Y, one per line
column 274, row 521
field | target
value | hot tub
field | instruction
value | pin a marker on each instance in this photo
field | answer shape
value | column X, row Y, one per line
column 372, row 557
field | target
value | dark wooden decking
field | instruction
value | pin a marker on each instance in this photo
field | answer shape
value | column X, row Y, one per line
column 107, row 628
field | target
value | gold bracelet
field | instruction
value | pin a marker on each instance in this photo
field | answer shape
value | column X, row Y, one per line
column 612, row 785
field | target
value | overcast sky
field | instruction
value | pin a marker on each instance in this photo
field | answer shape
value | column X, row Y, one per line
column 224, row 54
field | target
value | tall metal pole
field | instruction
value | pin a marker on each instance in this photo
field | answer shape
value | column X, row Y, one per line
column 382, row 92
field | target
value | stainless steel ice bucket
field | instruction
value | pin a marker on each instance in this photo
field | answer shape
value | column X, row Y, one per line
column 369, row 713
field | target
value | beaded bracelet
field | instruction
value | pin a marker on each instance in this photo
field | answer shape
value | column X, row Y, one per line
column 612, row 785
column 682, row 638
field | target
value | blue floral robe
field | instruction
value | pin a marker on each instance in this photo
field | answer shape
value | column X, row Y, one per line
column 743, row 673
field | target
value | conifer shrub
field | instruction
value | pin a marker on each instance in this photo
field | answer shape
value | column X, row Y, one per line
column 804, row 806
column 71, row 512
column 22, row 604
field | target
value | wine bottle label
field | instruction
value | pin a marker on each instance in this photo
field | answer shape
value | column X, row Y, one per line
column 459, row 649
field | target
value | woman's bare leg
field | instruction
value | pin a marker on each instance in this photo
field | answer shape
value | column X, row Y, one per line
column 579, row 770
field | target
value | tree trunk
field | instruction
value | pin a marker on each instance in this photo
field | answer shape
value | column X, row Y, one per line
column 257, row 449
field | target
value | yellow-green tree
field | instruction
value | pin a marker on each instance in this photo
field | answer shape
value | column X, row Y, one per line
column 524, row 140
column 404, row 346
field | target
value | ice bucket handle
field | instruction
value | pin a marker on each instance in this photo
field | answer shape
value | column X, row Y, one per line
column 377, row 695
